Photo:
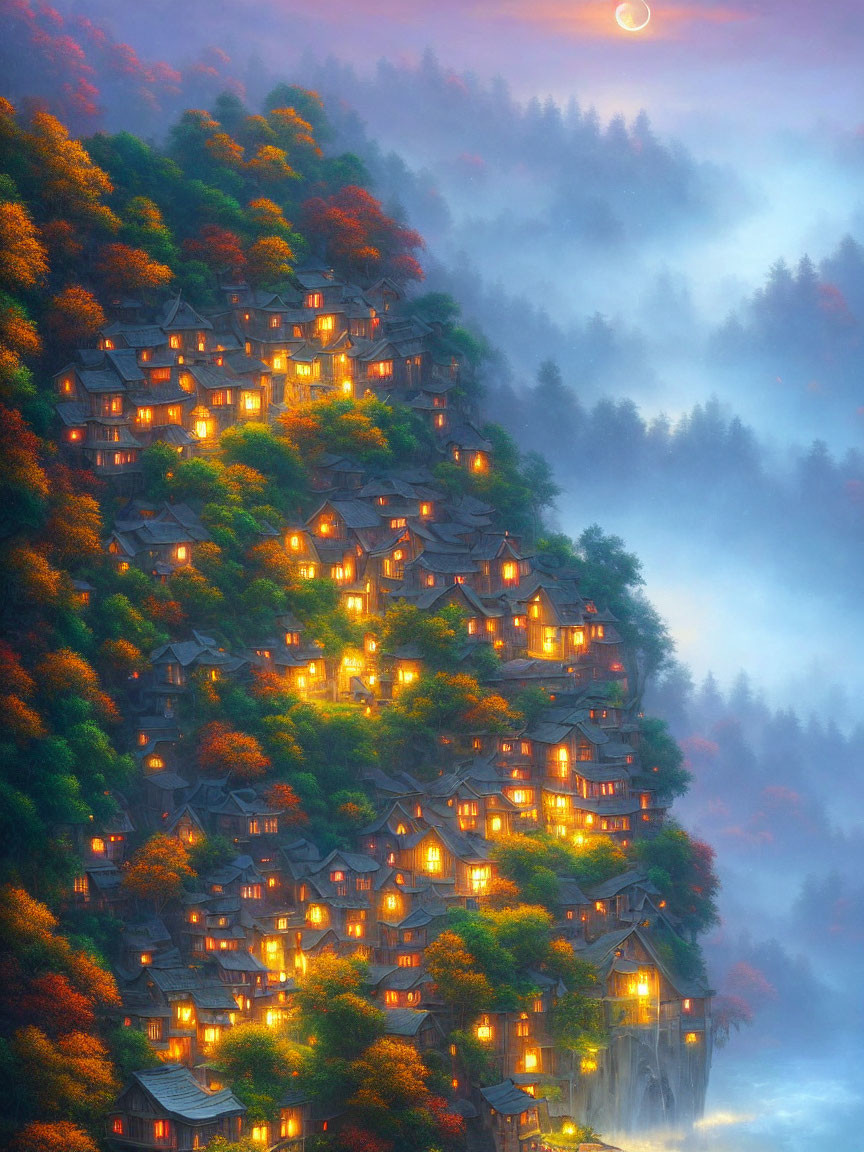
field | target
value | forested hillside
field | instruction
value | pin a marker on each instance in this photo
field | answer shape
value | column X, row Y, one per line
column 150, row 733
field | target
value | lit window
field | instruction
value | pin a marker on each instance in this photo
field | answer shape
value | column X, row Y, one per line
column 251, row 401
column 325, row 323
column 81, row 885
column 531, row 1061
column 174, row 341
column 484, row 1029
column 161, row 1129
column 495, row 824
column 117, row 1126
column 182, row 552
column 433, row 858
column 509, row 571
column 691, row 1038
column 316, row 914
column 97, row 845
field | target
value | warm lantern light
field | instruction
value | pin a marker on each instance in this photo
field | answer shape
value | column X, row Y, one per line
column 691, row 1038
column 587, row 1065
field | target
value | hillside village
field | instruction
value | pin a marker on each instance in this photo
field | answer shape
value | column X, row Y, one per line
column 232, row 948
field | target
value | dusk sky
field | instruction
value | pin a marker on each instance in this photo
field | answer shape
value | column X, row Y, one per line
column 744, row 62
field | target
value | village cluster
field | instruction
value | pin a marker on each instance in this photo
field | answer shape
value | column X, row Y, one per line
column 232, row 951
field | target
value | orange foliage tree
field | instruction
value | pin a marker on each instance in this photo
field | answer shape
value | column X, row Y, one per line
column 63, row 672
column 61, row 1136
column 463, row 989
column 75, row 316
column 158, row 870
column 25, row 262
column 356, row 236
column 123, row 269
column 285, row 800
column 223, row 751
column 269, row 260
column 50, row 995
column 392, row 1100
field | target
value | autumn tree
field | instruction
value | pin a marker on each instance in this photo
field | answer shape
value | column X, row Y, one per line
column 284, row 800
column 392, row 1100
column 464, row 989
column 50, row 994
column 125, row 270
column 60, row 1136
column 25, row 261
column 74, row 316
column 269, row 261
column 357, row 237
column 220, row 249
column 158, row 870
column 223, row 752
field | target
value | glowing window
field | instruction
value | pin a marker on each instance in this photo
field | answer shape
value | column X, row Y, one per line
column 97, row 845
column 161, row 1129
column 433, row 858
column 117, row 1126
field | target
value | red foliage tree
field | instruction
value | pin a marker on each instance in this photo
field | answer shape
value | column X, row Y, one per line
column 218, row 248
column 357, row 236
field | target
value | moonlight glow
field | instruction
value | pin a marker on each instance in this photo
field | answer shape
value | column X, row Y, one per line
column 633, row 15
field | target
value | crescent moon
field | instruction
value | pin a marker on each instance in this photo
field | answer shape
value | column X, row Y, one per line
column 624, row 17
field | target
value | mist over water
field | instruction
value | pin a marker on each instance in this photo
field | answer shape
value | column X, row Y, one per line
column 619, row 248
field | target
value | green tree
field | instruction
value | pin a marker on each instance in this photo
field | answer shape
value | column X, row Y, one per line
column 259, row 1065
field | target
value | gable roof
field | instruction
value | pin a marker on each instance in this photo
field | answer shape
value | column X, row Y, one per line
column 507, row 1099
column 176, row 1091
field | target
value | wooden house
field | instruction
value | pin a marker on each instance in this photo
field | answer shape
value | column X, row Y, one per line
column 167, row 1108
